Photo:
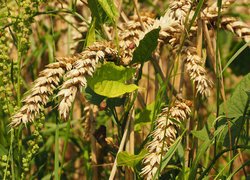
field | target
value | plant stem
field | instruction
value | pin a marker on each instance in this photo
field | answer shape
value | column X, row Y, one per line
column 124, row 137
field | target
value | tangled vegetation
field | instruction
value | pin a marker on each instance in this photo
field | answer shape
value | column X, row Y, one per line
column 124, row 89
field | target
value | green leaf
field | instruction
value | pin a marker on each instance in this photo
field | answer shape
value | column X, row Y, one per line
column 204, row 133
column 96, row 99
column 3, row 150
column 237, row 103
column 110, row 9
column 146, row 46
column 109, row 80
column 90, row 39
column 145, row 116
column 97, row 12
column 130, row 160
column 196, row 13
column 112, row 88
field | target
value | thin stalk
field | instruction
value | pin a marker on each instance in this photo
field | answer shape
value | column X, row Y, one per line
column 219, row 82
column 123, row 141
column 158, row 70
column 56, row 165
column 10, row 157
column 130, row 145
column 93, row 146
column 64, row 147
column 138, row 14
column 192, row 121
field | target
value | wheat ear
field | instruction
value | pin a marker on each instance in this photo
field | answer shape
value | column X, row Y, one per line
column 210, row 12
column 163, row 137
column 237, row 27
column 42, row 89
column 194, row 66
column 81, row 69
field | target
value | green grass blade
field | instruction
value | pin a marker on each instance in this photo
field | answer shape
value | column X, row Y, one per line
column 226, row 166
column 235, row 56
column 237, row 170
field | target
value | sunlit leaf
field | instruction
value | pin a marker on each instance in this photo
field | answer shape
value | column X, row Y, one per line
column 126, row 159
column 110, row 80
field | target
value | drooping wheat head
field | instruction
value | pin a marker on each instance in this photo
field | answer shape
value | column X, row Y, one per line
column 82, row 68
column 41, row 91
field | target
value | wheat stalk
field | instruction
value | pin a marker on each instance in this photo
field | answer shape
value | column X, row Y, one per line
column 163, row 137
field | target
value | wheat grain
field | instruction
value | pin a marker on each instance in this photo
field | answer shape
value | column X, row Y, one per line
column 163, row 137
column 210, row 12
column 237, row 27
column 178, row 10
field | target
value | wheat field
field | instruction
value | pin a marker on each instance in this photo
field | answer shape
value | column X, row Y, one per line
column 124, row 89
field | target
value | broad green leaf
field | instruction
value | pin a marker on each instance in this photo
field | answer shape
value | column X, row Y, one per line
column 90, row 39
column 110, row 9
column 235, row 106
column 126, row 159
column 96, row 99
column 146, row 46
column 112, row 88
column 109, row 80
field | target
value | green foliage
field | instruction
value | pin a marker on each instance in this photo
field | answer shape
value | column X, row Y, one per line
column 146, row 46
column 130, row 160
column 167, row 157
column 238, row 104
column 90, row 39
column 145, row 116
column 110, row 9
column 103, row 10
column 110, row 80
